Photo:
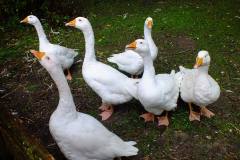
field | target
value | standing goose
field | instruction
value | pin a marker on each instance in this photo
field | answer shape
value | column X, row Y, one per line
column 198, row 87
column 64, row 55
column 157, row 93
column 111, row 85
column 78, row 135
column 129, row 61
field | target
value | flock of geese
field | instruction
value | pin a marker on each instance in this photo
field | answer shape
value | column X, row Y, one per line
column 81, row 136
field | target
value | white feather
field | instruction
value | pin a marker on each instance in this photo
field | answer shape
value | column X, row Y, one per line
column 197, row 86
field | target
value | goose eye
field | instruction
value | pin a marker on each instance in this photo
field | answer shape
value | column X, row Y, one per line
column 141, row 42
column 79, row 20
column 47, row 58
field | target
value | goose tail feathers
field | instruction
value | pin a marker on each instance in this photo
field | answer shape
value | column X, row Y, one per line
column 128, row 149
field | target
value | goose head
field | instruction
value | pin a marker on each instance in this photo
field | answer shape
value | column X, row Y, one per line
column 31, row 19
column 140, row 46
column 49, row 62
column 203, row 59
column 149, row 23
column 80, row 23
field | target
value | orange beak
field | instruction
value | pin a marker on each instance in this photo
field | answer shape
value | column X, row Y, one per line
column 150, row 24
column 71, row 23
column 132, row 45
column 39, row 55
column 25, row 20
column 199, row 62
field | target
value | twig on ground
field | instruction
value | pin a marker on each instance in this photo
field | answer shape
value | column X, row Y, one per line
column 236, row 78
column 79, row 61
column 27, row 119
column 54, row 32
column 49, row 86
column 51, row 145
column 9, row 93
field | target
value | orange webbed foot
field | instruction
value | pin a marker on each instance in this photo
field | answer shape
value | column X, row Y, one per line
column 194, row 116
column 163, row 121
column 148, row 117
column 104, row 107
column 207, row 113
column 106, row 114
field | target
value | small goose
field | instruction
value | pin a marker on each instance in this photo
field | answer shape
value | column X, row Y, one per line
column 79, row 135
column 198, row 87
column 64, row 55
column 129, row 61
column 157, row 93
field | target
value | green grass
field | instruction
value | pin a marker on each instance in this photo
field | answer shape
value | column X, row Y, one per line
column 32, row 87
column 213, row 26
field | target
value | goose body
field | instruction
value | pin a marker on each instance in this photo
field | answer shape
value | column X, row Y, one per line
column 157, row 93
column 85, row 138
column 130, row 61
column 65, row 55
column 78, row 135
column 197, row 86
column 111, row 85
column 202, row 90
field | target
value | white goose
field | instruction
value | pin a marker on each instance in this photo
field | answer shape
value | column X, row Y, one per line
column 78, row 135
column 129, row 61
column 112, row 86
column 157, row 93
column 64, row 55
column 198, row 87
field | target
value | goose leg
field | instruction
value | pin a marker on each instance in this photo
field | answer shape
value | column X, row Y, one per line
column 69, row 76
column 205, row 112
column 193, row 115
column 163, row 120
column 134, row 76
column 106, row 112
column 148, row 117
column 104, row 106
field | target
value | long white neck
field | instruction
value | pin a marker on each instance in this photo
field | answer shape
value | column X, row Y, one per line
column 152, row 46
column 89, row 44
column 149, row 71
column 66, row 103
column 41, row 34
column 203, row 70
